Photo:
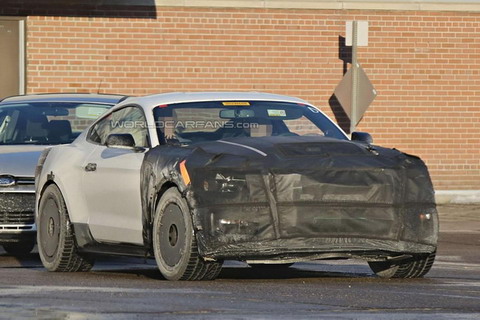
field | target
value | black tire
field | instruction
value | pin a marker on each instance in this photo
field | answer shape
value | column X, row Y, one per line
column 270, row 266
column 19, row 248
column 415, row 267
column 55, row 239
column 174, row 244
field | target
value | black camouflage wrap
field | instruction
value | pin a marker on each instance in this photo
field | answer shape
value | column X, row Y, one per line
column 287, row 198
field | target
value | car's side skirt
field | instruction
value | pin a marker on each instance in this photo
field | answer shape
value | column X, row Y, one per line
column 87, row 244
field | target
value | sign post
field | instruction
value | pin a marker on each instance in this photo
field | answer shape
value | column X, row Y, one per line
column 353, row 111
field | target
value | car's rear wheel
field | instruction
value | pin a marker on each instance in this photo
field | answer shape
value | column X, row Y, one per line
column 415, row 267
column 174, row 243
column 19, row 248
column 55, row 238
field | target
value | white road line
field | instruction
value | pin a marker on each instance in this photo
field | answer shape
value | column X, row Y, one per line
column 436, row 294
column 25, row 290
column 448, row 258
column 439, row 264
column 459, row 283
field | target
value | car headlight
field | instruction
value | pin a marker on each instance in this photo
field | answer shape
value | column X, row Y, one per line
column 225, row 183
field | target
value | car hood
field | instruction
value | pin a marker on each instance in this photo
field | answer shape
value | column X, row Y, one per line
column 294, row 152
column 325, row 169
column 19, row 161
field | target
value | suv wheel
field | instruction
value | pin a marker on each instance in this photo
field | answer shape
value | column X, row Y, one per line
column 415, row 267
column 174, row 243
column 55, row 239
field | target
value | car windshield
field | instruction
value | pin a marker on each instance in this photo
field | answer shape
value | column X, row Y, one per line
column 189, row 123
column 46, row 123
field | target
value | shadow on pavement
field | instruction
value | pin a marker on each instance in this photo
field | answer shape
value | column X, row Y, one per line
column 31, row 260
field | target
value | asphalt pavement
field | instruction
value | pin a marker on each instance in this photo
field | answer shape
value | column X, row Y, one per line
column 130, row 288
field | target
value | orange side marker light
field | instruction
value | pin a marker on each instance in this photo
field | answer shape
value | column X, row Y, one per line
column 184, row 173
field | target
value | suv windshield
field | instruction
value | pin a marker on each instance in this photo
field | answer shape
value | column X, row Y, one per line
column 188, row 123
column 46, row 122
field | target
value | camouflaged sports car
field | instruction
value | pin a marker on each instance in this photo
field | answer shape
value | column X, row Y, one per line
column 194, row 179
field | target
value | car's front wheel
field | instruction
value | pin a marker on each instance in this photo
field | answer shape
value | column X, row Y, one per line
column 19, row 248
column 55, row 238
column 415, row 267
column 174, row 243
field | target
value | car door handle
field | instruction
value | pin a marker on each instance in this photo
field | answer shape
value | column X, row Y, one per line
column 91, row 167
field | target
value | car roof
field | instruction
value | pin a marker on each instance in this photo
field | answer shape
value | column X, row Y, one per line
column 181, row 97
column 65, row 97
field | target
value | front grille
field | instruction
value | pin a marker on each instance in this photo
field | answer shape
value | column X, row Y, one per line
column 25, row 180
column 17, row 208
column 17, row 217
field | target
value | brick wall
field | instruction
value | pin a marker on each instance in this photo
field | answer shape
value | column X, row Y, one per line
column 424, row 65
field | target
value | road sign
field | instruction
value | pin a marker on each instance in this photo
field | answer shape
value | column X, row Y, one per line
column 362, row 33
column 365, row 95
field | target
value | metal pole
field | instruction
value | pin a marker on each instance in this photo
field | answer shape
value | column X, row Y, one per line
column 353, row 114
column 21, row 56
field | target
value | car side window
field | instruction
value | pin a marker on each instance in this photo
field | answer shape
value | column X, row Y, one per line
column 100, row 131
column 129, row 120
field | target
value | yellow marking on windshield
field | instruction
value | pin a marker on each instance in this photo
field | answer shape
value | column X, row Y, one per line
column 236, row 103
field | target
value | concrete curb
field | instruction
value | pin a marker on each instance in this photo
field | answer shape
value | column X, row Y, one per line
column 457, row 196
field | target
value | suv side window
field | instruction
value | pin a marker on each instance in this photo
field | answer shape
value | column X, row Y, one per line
column 126, row 120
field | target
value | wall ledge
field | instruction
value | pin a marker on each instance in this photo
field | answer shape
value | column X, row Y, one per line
column 405, row 5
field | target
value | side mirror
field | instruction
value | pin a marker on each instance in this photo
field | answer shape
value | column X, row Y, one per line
column 120, row 140
column 362, row 137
